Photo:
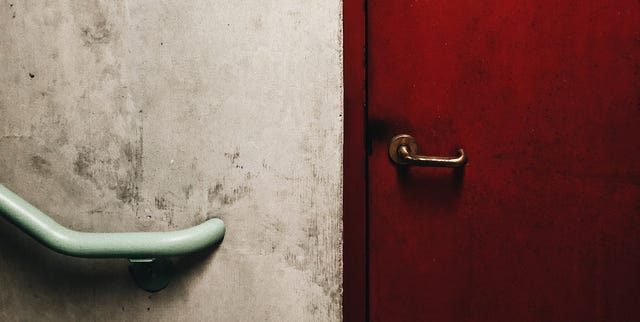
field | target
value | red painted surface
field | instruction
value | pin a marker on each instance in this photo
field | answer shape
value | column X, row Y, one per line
column 544, row 224
column 354, row 165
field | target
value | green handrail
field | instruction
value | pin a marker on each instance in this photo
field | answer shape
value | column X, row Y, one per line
column 135, row 245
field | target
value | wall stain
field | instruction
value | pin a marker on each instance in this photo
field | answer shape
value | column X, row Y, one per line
column 218, row 194
column 188, row 191
column 102, row 170
column 163, row 203
column 15, row 137
column 214, row 192
column 171, row 205
column 97, row 211
column 84, row 160
column 100, row 33
column 128, row 187
column 316, row 253
column 235, row 195
column 12, row 10
column 292, row 260
column 41, row 165
column 232, row 156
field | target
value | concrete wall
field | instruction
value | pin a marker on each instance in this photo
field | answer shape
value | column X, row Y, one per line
column 155, row 115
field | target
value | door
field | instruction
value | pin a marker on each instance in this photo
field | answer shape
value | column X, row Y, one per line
column 543, row 222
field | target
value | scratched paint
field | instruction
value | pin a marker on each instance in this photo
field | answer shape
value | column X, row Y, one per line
column 151, row 116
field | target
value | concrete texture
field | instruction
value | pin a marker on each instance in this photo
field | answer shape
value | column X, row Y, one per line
column 155, row 115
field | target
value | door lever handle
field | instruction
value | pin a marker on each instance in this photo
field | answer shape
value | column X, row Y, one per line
column 403, row 151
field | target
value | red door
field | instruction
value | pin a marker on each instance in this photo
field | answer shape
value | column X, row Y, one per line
column 543, row 223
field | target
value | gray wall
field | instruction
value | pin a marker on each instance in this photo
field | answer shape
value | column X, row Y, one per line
column 155, row 115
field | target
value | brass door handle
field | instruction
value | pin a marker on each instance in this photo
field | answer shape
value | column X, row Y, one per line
column 403, row 151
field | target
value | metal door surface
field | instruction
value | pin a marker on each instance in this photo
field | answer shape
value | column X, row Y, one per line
column 543, row 223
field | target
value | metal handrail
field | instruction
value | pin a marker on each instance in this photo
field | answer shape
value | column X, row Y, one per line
column 132, row 245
